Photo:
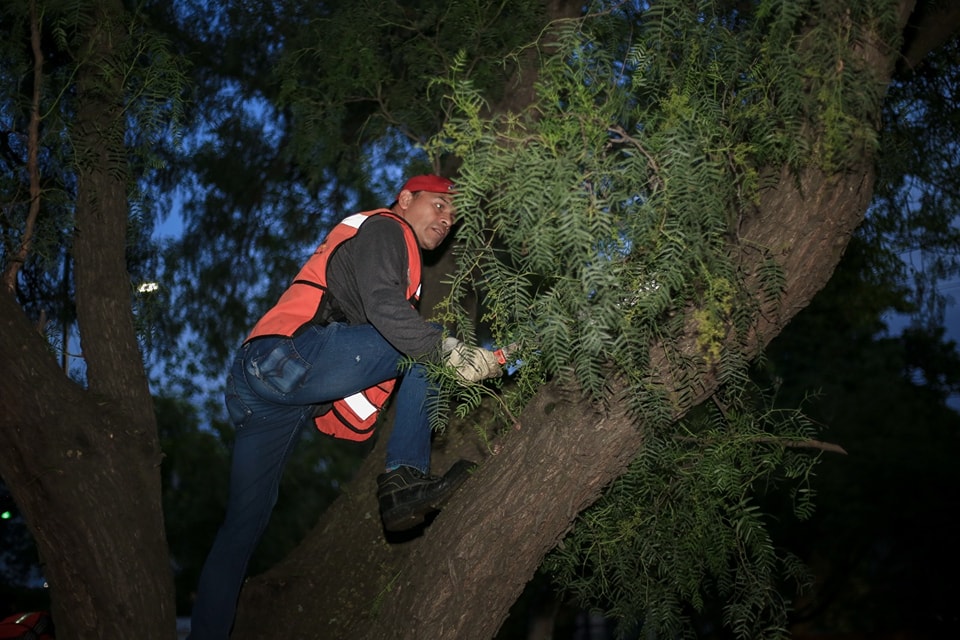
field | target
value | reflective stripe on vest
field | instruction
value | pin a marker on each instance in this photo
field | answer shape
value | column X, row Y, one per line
column 353, row 417
column 362, row 407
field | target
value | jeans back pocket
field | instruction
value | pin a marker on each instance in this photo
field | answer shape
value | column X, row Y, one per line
column 281, row 369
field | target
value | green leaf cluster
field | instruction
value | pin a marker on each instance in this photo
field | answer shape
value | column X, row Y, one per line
column 685, row 527
column 604, row 220
column 592, row 221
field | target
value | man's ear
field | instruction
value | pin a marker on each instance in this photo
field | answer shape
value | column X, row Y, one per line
column 403, row 200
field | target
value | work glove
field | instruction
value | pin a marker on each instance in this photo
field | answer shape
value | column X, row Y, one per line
column 473, row 364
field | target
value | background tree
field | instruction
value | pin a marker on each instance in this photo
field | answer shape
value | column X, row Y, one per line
column 875, row 541
column 81, row 456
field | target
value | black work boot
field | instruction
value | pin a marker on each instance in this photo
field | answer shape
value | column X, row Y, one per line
column 407, row 496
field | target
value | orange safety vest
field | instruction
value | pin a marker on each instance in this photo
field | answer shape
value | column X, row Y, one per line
column 353, row 417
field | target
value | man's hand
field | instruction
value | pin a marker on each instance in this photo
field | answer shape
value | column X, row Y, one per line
column 473, row 364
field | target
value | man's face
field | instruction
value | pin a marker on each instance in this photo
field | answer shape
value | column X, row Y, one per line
column 430, row 214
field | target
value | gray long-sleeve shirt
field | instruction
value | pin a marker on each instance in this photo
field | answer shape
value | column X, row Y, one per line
column 368, row 278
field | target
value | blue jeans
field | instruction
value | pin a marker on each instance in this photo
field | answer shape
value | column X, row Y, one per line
column 270, row 390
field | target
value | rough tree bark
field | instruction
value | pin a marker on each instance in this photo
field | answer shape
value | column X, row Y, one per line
column 83, row 464
column 459, row 579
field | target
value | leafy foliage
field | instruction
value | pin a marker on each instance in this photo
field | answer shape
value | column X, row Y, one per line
column 611, row 206
column 152, row 79
column 601, row 222
column 686, row 526
column 361, row 69
column 914, row 214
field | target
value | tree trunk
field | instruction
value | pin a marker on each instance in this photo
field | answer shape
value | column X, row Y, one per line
column 460, row 578
column 86, row 481
column 84, row 466
column 482, row 550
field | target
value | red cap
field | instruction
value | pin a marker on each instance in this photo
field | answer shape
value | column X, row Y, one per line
column 432, row 183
